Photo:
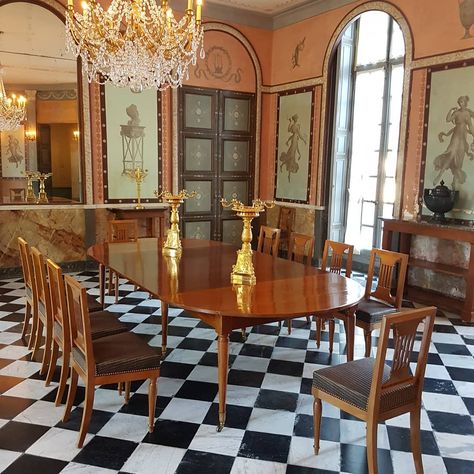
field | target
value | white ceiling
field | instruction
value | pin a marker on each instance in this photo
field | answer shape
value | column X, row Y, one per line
column 269, row 7
column 32, row 47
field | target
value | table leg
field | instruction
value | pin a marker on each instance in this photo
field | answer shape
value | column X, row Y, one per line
column 102, row 284
column 350, row 332
column 223, row 366
column 164, row 328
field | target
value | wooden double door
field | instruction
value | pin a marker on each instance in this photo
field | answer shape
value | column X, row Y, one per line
column 216, row 159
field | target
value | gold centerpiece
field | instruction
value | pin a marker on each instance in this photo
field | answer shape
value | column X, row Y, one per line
column 243, row 272
column 30, row 177
column 172, row 246
column 138, row 175
column 42, row 196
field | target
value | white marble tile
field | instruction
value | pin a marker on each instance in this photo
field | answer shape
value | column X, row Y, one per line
column 9, row 337
column 271, row 421
column 154, row 459
column 444, row 403
column 240, row 395
column 76, row 468
column 299, row 333
column 171, row 343
column 57, row 443
column 284, row 383
column 166, row 387
column 124, row 426
column 185, row 356
column 107, row 400
column 465, row 330
column 4, row 313
column 41, row 413
column 262, row 339
column 145, row 328
column 21, row 368
column 462, row 361
column 184, row 322
column 5, row 325
column 150, row 302
column 30, row 388
column 7, row 458
column 257, row 364
column 180, row 409
column 447, row 338
column 302, row 454
column 227, row 442
column 203, row 333
column 253, row 466
column 286, row 353
column 3, row 422
column 134, row 318
column 464, row 389
column 455, row 446
column 403, row 463
column 354, row 432
column 120, row 308
column 403, row 421
column 434, row 372
column 203, row 373
column 13, row 352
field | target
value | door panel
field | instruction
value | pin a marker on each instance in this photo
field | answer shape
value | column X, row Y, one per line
column 236, row 156
column 198, row 230
column 199, row 111
column 237, row 114
column 232, row 231
column 203, row 202
column 198, row 154
column 235, row 189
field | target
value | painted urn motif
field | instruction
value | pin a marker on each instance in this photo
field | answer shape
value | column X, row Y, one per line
column 466, row 14
column 439, row 200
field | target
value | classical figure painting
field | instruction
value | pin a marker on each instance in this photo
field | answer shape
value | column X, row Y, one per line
column 450, row 136
column 13, row 153
column 131, row 142
column 294, row 137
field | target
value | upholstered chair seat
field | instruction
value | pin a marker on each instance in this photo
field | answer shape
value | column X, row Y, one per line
column 372, row 311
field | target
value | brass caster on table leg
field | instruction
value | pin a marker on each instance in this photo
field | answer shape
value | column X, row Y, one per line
column 244, row 335
column 220, row 425
column 163, row 352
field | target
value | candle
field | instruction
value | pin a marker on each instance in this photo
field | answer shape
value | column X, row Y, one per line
column 190, row 4
column 198, row 10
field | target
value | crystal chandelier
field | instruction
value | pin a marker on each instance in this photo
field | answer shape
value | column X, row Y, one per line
column 12, row 109
column 135, row 43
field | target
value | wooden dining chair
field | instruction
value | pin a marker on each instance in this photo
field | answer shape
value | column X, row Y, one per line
column 300, row 249
column 124, row 230
column 286, row 222
column 45, row 317
column 31, row 299
column 374, row 391
column 268, row 240
column 103, row 323
column 117, row 358
column 337, row 256
column 392, row 268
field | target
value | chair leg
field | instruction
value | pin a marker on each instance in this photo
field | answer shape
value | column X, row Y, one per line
column 52, row 362
column 244, row 334
column 127, row 392
column 332, row 325
column 47, row 349
column 151, row 404
column 415, row 439
column 120, row 388
column 368, row 342
column 116, row 287
column 319, row 329
column 34, row 329
column 26, row 321
column 39, row 335
column 317, row 411
column 111, row 281
column 372, row 446
column 308, row 320
column 63, row 378
column 289, row 326
column 86, row 414
column 71, row 395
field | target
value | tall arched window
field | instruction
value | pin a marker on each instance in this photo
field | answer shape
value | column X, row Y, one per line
column 369, row 70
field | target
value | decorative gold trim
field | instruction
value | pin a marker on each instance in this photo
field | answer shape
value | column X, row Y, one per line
column 305, row 83
column 87, row 133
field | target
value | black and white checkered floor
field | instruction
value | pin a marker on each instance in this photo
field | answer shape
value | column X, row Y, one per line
column 269, row 413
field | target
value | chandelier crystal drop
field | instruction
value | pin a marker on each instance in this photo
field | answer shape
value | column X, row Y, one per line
column 12, row 109
column 135, row 43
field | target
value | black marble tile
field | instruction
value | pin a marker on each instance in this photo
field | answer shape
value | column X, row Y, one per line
column 195, row 344
column 98, row 419
column 276, row 400
column 451, row 423
column 469, row 402
column 12, row 406
column 196, row 462
column 16, row 436
column 285, row 367
column 291, row 469
column 461, row 374
column 265, row 446
column 330, row 427
column 458, row 466
column 236, row 416
column 254, row 350
column 246, row 378
column 439, row 386
column 138, row 404
column 400, row 440
column 354, row 460
column 292, row 342
column 454, row 349
column 175, row 370
column 35, row 464
column 177, row 434
column 195, row 390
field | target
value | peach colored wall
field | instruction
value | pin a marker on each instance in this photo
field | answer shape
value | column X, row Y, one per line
column 56, row 111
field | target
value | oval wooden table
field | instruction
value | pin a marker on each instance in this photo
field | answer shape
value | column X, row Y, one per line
column 199, row 282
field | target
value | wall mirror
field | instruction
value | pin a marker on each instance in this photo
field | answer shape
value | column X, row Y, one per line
column 36, row 65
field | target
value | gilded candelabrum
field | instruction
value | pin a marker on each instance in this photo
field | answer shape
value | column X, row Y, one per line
column 30, row 177
column 138, row 175
column 42, row 196
column 172, row 246
column 243, row 272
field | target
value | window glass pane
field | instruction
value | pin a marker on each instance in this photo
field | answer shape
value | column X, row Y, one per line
column 396, row 91
column 373, row 33
column 397, row 48
column 366, row 238
column 387, row 211
column 369, row 189
column 368, row 210
column 389, row 190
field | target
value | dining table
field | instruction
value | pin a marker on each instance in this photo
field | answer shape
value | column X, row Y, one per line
column 199, row 282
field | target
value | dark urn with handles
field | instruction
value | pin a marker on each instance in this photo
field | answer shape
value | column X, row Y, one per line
column 439, row 200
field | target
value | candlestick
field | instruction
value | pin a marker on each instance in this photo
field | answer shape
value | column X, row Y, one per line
column 42, row 196
column 138, row 175
column 30, row 177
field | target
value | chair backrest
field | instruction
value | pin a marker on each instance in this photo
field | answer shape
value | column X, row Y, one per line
column 286, row 218
column 301, row 248
column 268, row 240
column 125, row 230
column 27, row 267
column 404, row 327
column 78, row 314
column 58, row 298
column 388, row 262
column 41, row 280
column 333, row 257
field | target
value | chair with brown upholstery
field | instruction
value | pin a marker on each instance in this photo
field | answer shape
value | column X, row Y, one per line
column 286, row 222
column 103, row 323
column 31, row 299
column 125, row 230
column 334, row 255
column 268, row 240
column 373, row 391
column 380, row 302
column 117, row 358
column 300, row 249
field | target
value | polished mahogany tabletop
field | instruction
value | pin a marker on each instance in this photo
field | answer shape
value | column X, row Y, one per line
column 200, row 280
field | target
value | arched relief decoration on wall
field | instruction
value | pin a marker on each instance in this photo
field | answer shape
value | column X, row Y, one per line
column 218, row 64
column 232, row 76
column 398, row 16
column 58, row 9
